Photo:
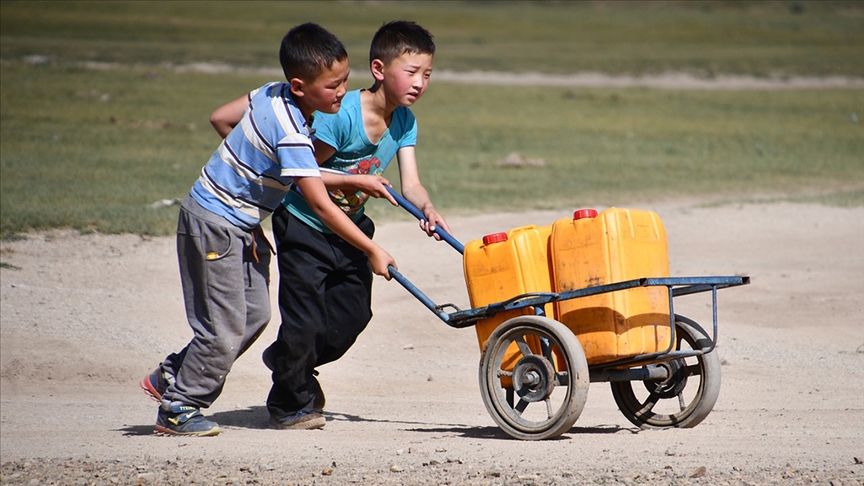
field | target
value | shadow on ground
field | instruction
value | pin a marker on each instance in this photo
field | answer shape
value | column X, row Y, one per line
column 257, row 418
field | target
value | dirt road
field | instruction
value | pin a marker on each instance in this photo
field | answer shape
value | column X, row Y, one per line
column 85, row 317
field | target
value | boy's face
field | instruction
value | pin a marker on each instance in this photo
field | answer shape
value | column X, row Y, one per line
column 325, row 92
column 406, row 78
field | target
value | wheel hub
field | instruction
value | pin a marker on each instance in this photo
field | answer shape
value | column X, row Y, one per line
column 533, row 378
column 674, row 384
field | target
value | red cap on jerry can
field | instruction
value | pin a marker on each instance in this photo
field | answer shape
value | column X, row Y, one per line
column 494, row 238
column 584, row 213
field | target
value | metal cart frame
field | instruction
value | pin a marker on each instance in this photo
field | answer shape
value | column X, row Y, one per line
column 681, row 383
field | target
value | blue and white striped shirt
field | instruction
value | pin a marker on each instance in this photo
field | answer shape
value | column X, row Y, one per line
column 248, row 175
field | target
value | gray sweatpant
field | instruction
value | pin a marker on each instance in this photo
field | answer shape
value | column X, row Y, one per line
column 226, row 292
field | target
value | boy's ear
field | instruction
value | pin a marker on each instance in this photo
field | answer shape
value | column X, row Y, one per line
column 377, row 69
column 297, row 87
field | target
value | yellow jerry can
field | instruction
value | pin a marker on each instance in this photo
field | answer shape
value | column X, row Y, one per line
column 616, row 245
column 502, row 266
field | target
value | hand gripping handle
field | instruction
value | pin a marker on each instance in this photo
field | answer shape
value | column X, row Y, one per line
column 419, row 215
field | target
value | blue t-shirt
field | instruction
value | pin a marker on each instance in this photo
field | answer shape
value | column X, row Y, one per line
column 355, row 154
column 251, row 171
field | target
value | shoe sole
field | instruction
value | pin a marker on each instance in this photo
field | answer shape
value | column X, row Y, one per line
column 166, row 432
column 149, row 390
column 308, row 422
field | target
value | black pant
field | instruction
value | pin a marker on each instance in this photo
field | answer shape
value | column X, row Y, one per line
column 325, row 293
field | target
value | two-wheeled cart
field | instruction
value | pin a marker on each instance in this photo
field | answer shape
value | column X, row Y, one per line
column 534, row 375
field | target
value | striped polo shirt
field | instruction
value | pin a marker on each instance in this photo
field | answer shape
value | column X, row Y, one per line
column 248, row 175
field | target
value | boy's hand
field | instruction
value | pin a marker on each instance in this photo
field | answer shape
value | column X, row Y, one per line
column 379, row 260
column 433, row 220
column 373, row 185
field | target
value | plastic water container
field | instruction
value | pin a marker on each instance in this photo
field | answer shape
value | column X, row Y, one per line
column 504, row 265
column 616, row 245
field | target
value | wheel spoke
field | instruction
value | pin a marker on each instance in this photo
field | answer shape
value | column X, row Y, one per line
column 562, row 378
column 546, row 349
column 693, row 370
column 681, row 404
column 648, row 404
column 523, row 346
column 549, row 413
column 521, row 406
column 510, row 397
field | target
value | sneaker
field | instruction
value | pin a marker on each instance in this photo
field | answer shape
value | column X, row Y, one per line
column 270, row 363
column 302, row 420
column 184, row 420
column 155, row 384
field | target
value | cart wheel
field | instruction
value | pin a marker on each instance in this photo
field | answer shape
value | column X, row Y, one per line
column 686, row 397
column 533, row 377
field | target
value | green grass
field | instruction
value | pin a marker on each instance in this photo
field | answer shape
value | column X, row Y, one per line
column 705, row 37
column 92, row 149
column 602, row 146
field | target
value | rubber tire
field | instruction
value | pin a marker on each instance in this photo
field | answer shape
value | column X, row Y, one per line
column 494, row 394
column 704, row 399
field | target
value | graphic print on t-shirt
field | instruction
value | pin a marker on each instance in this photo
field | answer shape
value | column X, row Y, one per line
column 353, row 202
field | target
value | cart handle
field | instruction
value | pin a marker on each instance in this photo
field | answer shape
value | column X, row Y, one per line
column 419, row 215
column 413, row 290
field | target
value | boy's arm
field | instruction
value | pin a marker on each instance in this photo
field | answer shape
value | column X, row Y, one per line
column 318, row 199
column 373, row 185
column 414, row 192
column 227, row 116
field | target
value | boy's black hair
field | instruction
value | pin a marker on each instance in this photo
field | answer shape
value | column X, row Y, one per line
column 399, row 37
column 307, row 50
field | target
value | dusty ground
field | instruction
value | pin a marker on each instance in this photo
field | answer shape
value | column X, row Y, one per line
column 85, row 317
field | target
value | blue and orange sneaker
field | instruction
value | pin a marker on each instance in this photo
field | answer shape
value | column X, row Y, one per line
column 184, row 420
column 155, row 384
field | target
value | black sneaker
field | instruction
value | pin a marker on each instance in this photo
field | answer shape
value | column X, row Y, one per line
column 184, row 420
column 270, row 362
column 301, row 420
